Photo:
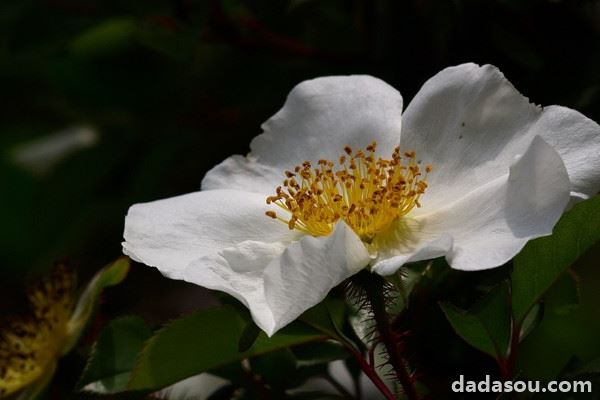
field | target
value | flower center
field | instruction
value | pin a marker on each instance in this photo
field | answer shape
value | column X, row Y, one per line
column 369, row 194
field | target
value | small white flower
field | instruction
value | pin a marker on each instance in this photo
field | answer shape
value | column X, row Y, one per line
column 503, row 171
column 197, row 387
column 200, row 387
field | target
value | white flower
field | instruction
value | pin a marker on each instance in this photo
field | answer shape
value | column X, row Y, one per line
column 200, row 387
column 197, row 387
column 503, row 173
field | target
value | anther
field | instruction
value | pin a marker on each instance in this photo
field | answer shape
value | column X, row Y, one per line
column 368, row 194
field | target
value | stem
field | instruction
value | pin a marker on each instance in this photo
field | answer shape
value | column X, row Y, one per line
column 507, row 365
column 371, row 373
column 368, row 369
column 338, row 386
column 255, row 381
column 373, row 286
column 372, row 356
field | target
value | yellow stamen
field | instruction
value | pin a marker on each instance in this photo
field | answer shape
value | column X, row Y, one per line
column 29, row 343
column 368, row 193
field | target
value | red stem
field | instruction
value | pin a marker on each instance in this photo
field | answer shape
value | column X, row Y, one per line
column 372, row 374
column 387, row 338
column 373, row 287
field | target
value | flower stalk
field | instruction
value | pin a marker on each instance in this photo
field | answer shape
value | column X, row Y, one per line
column 369, row 370
column 507, row 364
column 374, row 290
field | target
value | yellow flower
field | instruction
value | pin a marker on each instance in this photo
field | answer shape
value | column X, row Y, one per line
column 31, row 344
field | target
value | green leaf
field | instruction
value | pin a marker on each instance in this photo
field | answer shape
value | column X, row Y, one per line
column 405, row 281
column 568, row 329
column 544, row 260
column 590, row 369
column 111, row 275
column 319, row 353
column 531, row 321
column 277, row 368
column 204, row 341
column 546, row 352
column 179, row 46
column 249, row 336
column 494, row 313
column 324, row 315
column 109, row 36
column 114, row 354
column 470, row 328
column 486, row 326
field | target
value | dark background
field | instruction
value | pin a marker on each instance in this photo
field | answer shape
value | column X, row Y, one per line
column 170, row 88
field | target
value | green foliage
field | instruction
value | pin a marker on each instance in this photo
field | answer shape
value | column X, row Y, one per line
column 544, row 260
column 278, row 369
column 405, row 281
column 326, row 317
column 487, row 325
column 566, row 338
column 111, row 275
column 109, row 36
column 319, row 353
column 204, row 341
column 248, row 337
column 592, row 368
column 531, row 321
column 114, row 354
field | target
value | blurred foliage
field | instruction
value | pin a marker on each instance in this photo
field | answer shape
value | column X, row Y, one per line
column 205, row 341
column 114, row 354
column 165, row 89
column 32, row 343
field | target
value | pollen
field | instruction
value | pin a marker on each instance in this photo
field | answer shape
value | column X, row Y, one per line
column 29, row 343
column 366, row 192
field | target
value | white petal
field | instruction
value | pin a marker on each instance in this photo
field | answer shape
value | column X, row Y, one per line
column 172, row 233
column 318, row 119
column 339, row 371
column 491, row 225
column 577, row 140
column 279, row 283
column 422, row 246
column 307, row 270
column 470, row 122
column 221, row 239
column 197, row 387
column 239, row 271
